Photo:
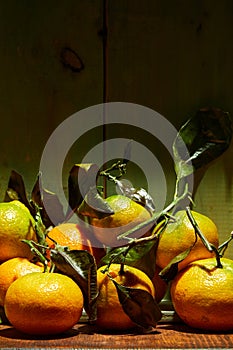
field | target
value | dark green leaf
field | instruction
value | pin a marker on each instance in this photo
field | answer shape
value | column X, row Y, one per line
column 207, row 135
column 40, row 228
column 141, row 255
column 139, row 305
column 94, row 205
column 16, row 190
column 82, row 177
column 39, row 195
column 171, row 270
column 81, row 266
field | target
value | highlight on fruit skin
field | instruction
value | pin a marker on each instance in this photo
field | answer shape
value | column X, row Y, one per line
column 202, row 295
column 16, row 224
column 179, row 235
column 43, row 303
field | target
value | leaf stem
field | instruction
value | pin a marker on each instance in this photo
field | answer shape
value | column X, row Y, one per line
column 207, row 244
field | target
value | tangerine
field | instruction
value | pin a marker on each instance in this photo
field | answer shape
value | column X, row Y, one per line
column 43, row 303
column 202, row 294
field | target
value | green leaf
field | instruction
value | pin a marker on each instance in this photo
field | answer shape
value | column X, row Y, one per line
column 81, row 266
column 141, row 255
column 139, row 305
column 40, row 228
column 207, row 135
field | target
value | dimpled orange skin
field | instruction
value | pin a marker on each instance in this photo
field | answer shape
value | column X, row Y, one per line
column 202, row 295
column 180, row 235
column 11, row 270
column 110, row 314
column 43, row 303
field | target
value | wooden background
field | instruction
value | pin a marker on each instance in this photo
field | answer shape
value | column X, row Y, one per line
column 172, row 56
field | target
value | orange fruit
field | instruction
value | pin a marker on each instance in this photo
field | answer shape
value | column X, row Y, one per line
column 43, row 303
column 16, row 223
column 127, row 214
column 159, row 284
column 202, row 295
column 180, row 235
column 11, row 270
column 110, row 314
column 71, row 235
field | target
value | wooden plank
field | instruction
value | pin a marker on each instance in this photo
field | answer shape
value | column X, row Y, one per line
column 38, row 89
column 82, row 336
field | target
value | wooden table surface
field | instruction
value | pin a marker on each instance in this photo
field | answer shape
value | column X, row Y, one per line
column 84, row 336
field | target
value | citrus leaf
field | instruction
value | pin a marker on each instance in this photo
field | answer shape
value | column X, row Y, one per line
column 94, row 205
column 40, row 228
column 39, row 195
column 80, row 265
column 207, row 135
column 171, row 270
column 82, row 177
column 139, row 305
column 141, row 255
column 16, row 190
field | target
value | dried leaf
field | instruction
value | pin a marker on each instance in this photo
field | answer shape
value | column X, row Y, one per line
column 138, row 195
column 81, row 266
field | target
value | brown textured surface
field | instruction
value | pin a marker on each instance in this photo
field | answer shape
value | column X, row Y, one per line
column 166, row 336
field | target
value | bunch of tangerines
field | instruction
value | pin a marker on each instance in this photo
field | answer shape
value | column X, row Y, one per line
column 38, row 299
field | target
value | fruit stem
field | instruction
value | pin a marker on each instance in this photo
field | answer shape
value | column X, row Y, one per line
column 207, row 244
column 37, row 252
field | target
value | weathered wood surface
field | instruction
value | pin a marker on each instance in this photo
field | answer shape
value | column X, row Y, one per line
column 172, row 336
